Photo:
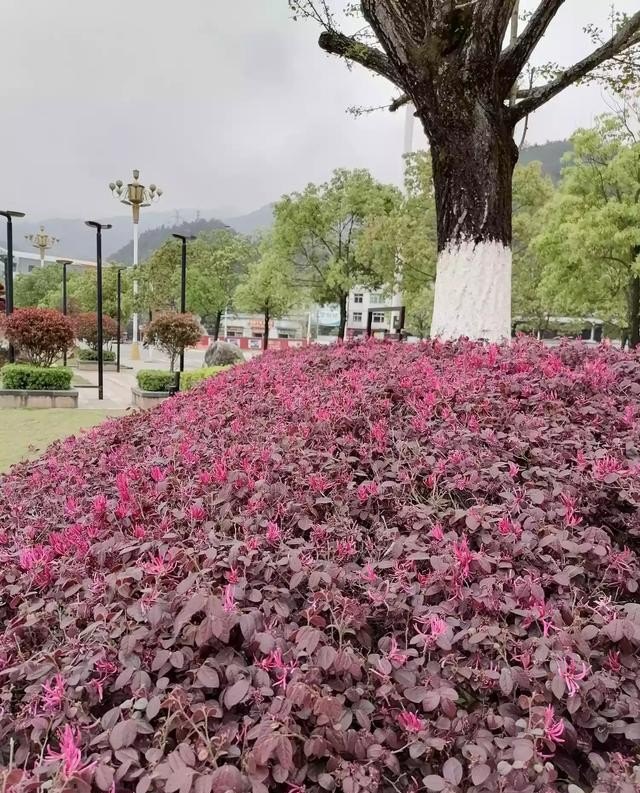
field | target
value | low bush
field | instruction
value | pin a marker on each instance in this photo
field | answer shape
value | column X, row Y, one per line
column 373, row 568
column 155, row 380
column 35, row 378
column 189, row 379
column 173, row 333
column 40, row 334
column 89, row 354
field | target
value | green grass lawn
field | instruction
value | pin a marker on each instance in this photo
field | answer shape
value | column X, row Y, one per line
column 26, row 433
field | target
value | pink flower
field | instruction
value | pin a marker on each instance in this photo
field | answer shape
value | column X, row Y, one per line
column 613, row 661
column 139, row 532
column 410, row 722
column 318, row 483
column 229, row 600
column 437, row 533
column 514, row 470
column 345, row 549
column 395, row 655
column 219, row 472
column 572, row 675
column 553, row 730
column 273, row 534
column 275, row 662
column 158, row 474
column 197, row 513
column 506, row 527
column 605, row 466
column 158, row 566
column 463, row 556
column 69, row 753
column 570, row 517
column 53, row 695
column 435, row 627
column 366, row 490
column 368, row 574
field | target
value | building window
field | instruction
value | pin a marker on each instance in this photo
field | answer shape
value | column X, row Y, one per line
column 357, row 315
column 376, row 298
column 358, row 297
column 377, row 317
column 234, row 332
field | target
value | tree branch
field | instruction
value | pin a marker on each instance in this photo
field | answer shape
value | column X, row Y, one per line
column 336, row 43
column 626, row 37
column 401, row 101
column 514, row 57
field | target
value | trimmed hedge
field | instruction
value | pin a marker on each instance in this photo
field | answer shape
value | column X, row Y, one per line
column 155, row 380
column 108, row 356
column 189, row 379
column 24, row 377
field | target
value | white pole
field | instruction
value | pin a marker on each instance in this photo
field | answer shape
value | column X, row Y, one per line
column 408, row 129
column 226, row 320
column 41, row 257
column 135, row 349
column 309, row 329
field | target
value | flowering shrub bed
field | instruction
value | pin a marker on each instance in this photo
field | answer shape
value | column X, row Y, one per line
column 369, row 568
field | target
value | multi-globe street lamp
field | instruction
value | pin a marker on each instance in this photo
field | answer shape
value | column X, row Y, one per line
column 9, row 214
column 42, row 241
column 136, row 196
column 183, row 282
column 65, row 263
column 99, row 227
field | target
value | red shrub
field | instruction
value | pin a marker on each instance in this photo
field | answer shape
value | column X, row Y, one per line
column 173, row 333
column 40, row 334
column 370, row 568
column 86, row 328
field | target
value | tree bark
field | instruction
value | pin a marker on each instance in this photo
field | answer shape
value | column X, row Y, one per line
column 265, row 334
column 216, row 326
column 343, row 317
column 473, row 156
column 634, row 311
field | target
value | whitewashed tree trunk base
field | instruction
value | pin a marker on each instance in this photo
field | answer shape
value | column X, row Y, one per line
column 473, row 292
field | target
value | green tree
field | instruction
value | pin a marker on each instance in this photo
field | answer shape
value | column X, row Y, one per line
column 218, row 260
column 318, row 232
column 269, row 288
column 41, row 288
column 592, row 230
column 159, row 278
column 453, row 61
column 82, row 291
column 532, row 192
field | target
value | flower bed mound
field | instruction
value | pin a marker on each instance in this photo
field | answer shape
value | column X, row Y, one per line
column 368, row 568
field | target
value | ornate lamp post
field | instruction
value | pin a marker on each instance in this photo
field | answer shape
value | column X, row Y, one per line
column 9, row 214
column 136, row 196
column 42, row 241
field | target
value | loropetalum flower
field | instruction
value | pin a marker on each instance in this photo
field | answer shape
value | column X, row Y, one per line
column 229, row 600
column 410, row 722
column 69, row 753
column 553, row 729
column 572, row 673
column 53, row 694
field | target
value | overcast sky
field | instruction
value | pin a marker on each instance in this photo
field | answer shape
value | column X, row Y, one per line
column 223, row 103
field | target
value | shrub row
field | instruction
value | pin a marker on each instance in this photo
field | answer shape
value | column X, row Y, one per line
column 89, row 354
column 375, row 568
column 36, row 378
column 157, row 380
column 190, row 379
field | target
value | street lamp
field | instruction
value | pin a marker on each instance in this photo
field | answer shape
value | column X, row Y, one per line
column 42, row 241
column 64, row 263
column 183, row 283
column 99, row 227
column 135, row 195
column 9, row 214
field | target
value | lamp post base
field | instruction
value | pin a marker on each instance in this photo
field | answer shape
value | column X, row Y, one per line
column 135, row 351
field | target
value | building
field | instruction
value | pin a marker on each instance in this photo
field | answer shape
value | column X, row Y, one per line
column 25, row 262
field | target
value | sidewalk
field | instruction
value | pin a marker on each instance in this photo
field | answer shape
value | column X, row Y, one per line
column 117, row 387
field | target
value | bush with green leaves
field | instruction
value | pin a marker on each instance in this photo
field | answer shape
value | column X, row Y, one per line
column 90, row 354
column 155, row 380
column 27, row 377
column 189, row 379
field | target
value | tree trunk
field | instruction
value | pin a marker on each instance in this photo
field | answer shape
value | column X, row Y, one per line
column 216, row 327
column 634, row 311
column 473, row 161
column 343, row 317
column 265, row 334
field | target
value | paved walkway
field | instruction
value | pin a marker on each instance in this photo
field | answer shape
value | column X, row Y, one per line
column 117, row 386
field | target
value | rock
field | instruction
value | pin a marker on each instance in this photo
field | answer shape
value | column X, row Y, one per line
column 221, row 353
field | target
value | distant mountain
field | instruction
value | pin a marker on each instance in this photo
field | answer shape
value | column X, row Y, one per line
column 549, row 154
column 260, row 220
column 152, row 239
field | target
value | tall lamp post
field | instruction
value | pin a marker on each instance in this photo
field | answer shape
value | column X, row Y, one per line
column 42, row 241
column 9, row 214
column 135, row 195
column 183, row 282
column 64, row 263
column 99, row 227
